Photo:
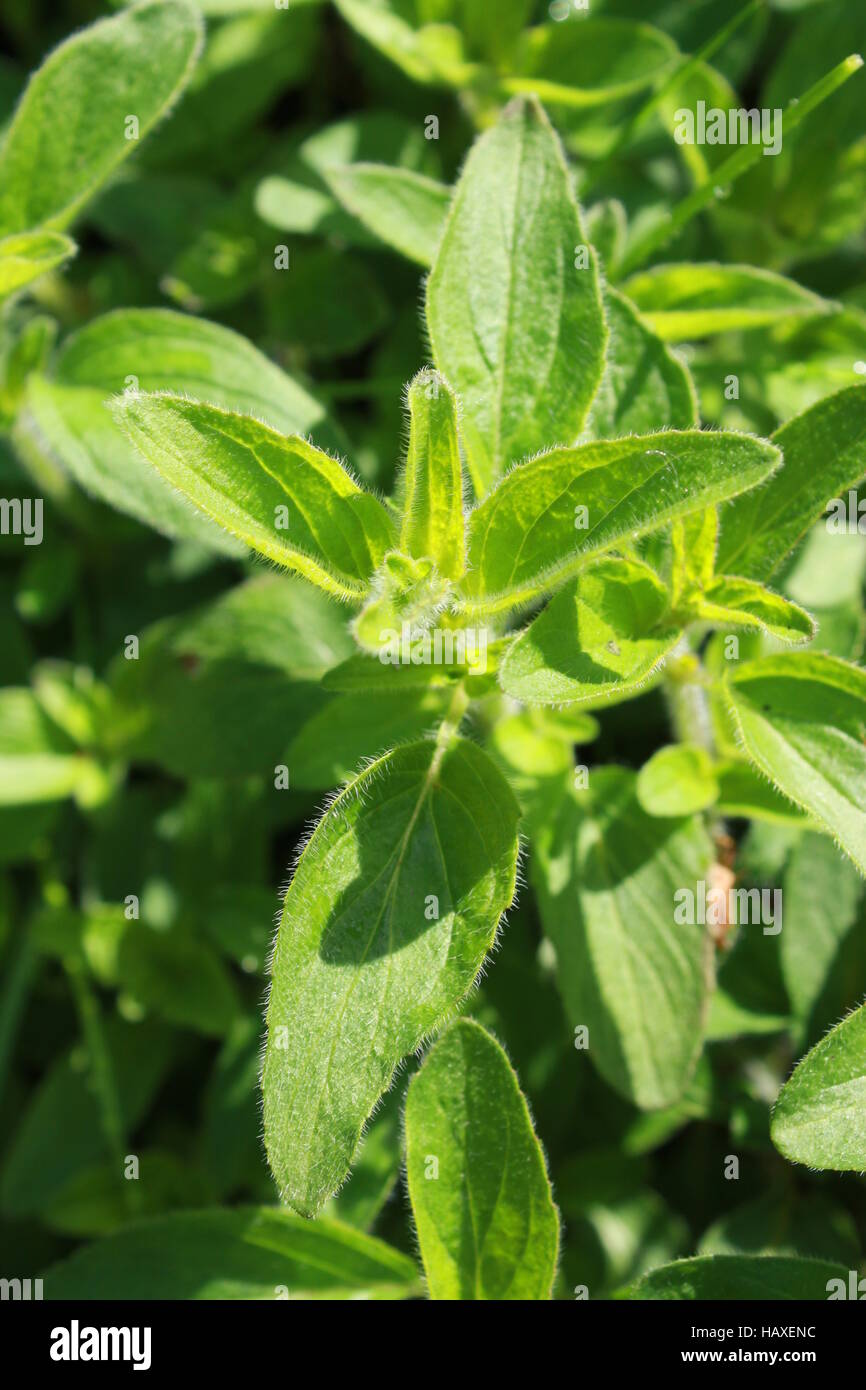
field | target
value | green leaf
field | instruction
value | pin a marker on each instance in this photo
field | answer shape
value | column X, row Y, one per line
column 731, row 602
column 393, row 907
column 38, row 761
column 603, row 635
column 789, row 1225
column 762, row 1278
column 156, row 350
column 802, row 719
column 25, row 257
column 36, row 1167
column 403, row 209
column 823, row 946
column 245, row 475
column 433, row 504
column 644, row 387
column 693, row 552
column 166, row 351
column 168, row 973
column 336, row 739
column 219, row 692
column 696, row 301
column 820, row 1116
column 759, row 531
column 677, row 781
column 376, row 1169
column 515, row 327
column 590, row 62
column 606, row 874
column 246, row 1253
column 745, row 793
column 329, row 302
column 70, row 130
column 547, row 517
column 427, row 53
column 487, row 1225
column 607, row 228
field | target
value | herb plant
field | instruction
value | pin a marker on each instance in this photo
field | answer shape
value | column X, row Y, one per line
column 562, row 611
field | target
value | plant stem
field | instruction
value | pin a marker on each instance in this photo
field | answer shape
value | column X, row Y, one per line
column 679, row 74
column 730, row 169
column 102, row 1071
column 20, row 974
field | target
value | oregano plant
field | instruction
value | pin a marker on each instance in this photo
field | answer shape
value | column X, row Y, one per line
column 464, row 511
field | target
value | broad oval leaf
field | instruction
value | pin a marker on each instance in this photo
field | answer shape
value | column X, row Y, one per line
column 514, row 307
column 70, row 130
column 677, row 781
column 644, row 387
column 393, row 906
column 433, row 502
column 759, row 531
column 820, row 1116
column 404, row 209
column 487, row 1226
column 244, row 475
column 754, row 1277
column 696, row 301
column 246, row 1253
column 23, row 258
column 549, row 515
column 802, row 719
column 602, row 636
column 607, row 875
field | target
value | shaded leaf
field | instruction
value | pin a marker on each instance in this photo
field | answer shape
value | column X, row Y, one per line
column 820, row 1116
column 247, row 1253
column 487, row 1225
column 392, row 909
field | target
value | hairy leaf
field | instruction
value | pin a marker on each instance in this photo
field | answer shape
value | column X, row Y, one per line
column 644, row 387
column 695, row 301
column 820, row 1116
column 760, row 530
column 245, row 475
column 487, row 1225
column 391, row 911
column 606, row 875
column 516, row 326
column 155, row 350
column 70, row 131
column 731, row 602
column 433, row 503
column 548, row 516
column 601, row 636
column 802, row 719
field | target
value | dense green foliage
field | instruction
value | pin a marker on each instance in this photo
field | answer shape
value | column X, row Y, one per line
column 422, row 467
